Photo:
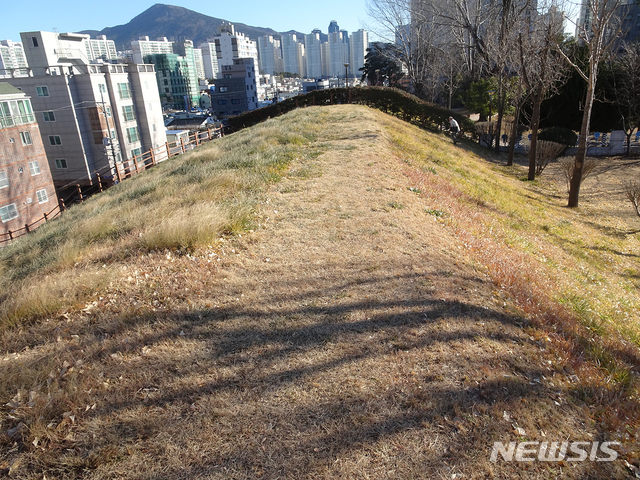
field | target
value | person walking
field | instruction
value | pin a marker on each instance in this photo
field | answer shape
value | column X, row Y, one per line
column 454, row 128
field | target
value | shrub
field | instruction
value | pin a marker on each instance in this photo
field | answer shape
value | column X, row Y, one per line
column 567, row 164
column 561, row 135
column 389, row 100
column 546, row 151
column 632, row 191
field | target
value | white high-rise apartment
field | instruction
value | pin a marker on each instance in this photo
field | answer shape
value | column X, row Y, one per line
column 143, row 46
column 358, row 44
column 101, row 47
column 293, row 54
column 209, row 59
column 232, row 45
column 90, row 114
column 11, row 58
column 270, row 55
column 338, row 54
column 313, row 55
column 199, row 63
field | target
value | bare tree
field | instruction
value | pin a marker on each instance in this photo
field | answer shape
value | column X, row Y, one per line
column 632, row 190
column 414, row 34
column 567, row 165
column 541, row 68
column 599, row 32
column 626, row 88
column 546, row 151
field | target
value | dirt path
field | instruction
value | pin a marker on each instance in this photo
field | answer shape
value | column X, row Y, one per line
column 347, row 337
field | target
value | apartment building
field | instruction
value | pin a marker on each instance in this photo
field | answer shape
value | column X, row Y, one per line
column 101, row 48
column 293, row 54
column 236, row 90
column 143, row 46
column 313, row 55
column 90, row 115
column 338, row 54
column 270, row 55
column 209, row 59
column 12, row 59
column 231, row 45
column 26, row 187
column 358, row 44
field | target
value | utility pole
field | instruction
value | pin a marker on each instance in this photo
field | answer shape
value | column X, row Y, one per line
column 108, row 139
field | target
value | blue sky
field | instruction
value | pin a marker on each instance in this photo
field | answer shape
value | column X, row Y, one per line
column 281, row 15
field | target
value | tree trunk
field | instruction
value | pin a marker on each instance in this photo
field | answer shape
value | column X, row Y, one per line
column 576, row 176
column 514, row 136
column 535, row 122
column 501, row 102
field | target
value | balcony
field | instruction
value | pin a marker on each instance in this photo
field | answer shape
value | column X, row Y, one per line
column 16, row 112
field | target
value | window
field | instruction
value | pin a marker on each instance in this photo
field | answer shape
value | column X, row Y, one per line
column 127, row 113
column 34, row 168
column 4, row 180
column 132, row 134
column 8, row 212
column 42, row 91
column 55, row 140
column 102, row 88
column 26, row 138
column 227, row 75
column 222, row 102
column 107, row 111
column 224, row 89
column 123, row 90
column 49, row 116
column 135, row 152
column 34, row 41
column 42, row 196
column 61, row 163
column 235, row 101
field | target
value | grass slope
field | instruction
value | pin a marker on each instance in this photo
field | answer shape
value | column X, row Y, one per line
column 330, row 294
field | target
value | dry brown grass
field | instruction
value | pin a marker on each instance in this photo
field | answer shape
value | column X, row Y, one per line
column 370, row 325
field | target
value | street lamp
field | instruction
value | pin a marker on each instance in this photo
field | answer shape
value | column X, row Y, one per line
column 346, row 78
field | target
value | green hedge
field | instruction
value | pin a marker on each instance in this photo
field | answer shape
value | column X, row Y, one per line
column 389, row 100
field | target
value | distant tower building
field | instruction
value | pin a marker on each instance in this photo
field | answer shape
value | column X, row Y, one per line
column 333, row 27
column 313, row 55
column 293, row 54
column 12, row 57
column 270, row 55
column 326, row 60
column 338, row 54
column 358, row 44
column 26, row 188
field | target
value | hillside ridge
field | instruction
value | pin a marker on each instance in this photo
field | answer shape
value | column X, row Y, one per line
column 346, row 330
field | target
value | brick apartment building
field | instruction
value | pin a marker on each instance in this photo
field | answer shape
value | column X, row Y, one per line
column 26, row 186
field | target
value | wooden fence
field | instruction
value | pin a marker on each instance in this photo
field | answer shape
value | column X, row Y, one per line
column 29, row 227
column 124, row 170
column 150, row 158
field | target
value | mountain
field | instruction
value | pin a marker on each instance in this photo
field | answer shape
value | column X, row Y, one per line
column 175, row 23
